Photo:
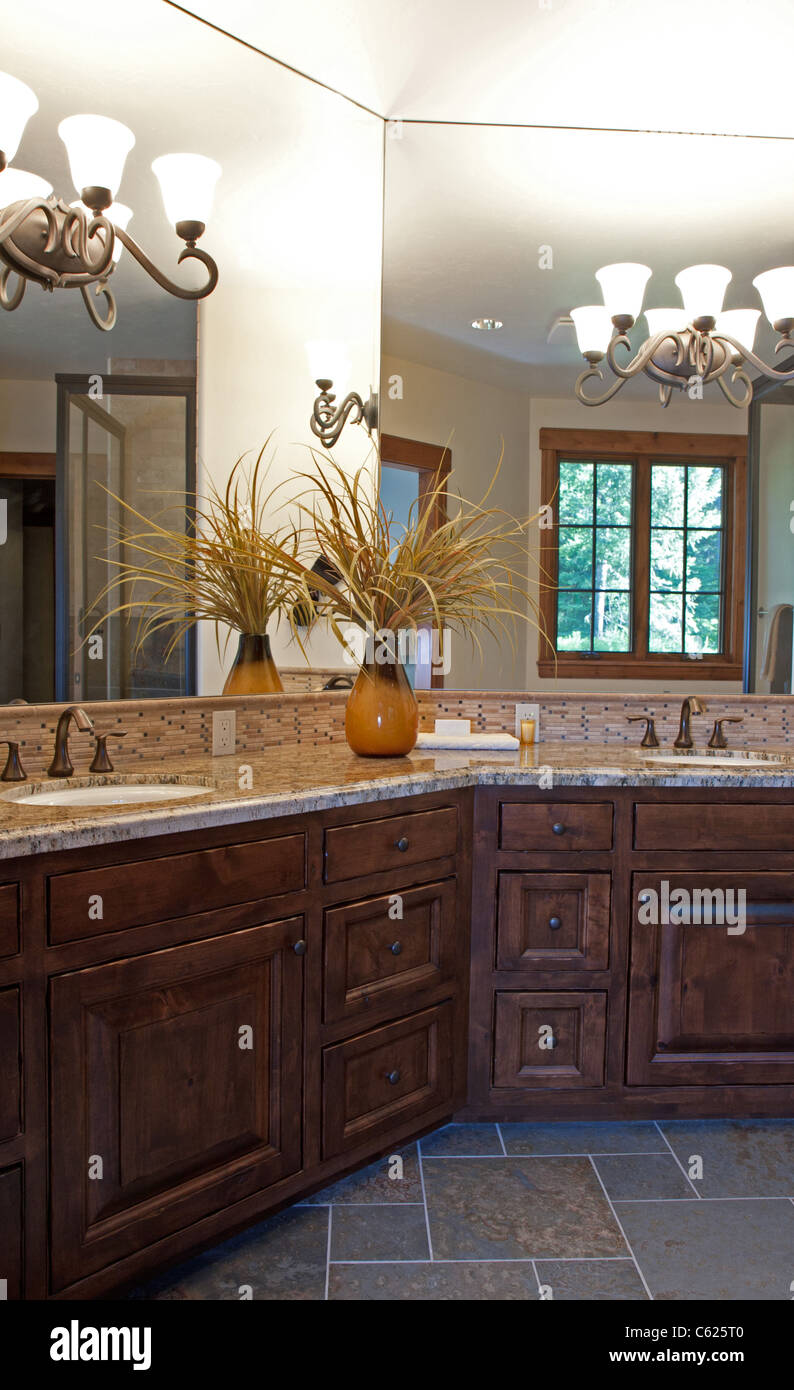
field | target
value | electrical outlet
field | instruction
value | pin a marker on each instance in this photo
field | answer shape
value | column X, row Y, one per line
column 224, row 732
column 528, row 712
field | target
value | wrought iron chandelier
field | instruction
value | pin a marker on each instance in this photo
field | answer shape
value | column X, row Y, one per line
column 690, row 346
column 57, row 245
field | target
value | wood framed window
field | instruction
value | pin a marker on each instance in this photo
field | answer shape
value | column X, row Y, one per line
column 643, row 566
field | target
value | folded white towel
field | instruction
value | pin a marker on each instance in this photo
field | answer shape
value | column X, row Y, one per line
column 471, row 741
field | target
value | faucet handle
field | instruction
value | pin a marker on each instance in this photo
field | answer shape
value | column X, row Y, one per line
column 101, row 761
column 649, row 739
column 13, row 770
column 718, row 739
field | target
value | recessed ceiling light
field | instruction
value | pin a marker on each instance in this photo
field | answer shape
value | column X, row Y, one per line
column 487, row 324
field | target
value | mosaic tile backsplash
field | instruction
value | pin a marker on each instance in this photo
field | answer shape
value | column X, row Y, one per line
column 160, row 730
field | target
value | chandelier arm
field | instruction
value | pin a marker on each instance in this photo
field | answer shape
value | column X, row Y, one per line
column 643, row 354
column 23, row 210
column 756, row 362
column 597, row 400
column 189, row 253
column 109, row 320
column 665, row 392
column 739, row 401
column 14, row 299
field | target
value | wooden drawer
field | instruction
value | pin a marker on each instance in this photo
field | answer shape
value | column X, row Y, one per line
column 155, row 890
column 373, row 957
column 372, row 1082
column 549, row 1041
column 11, row 1232
column 688, row 825
column 562, row 825
column 9, row 919
column 553, row 922
column 711, row 999
column 10, row 1064
column 181, row 1071
column 369, row 847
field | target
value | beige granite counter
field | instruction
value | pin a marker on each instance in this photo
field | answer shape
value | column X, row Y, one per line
column 296, row 778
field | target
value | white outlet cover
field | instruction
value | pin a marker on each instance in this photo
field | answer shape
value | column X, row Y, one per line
column 224, row 732
column 528, row 711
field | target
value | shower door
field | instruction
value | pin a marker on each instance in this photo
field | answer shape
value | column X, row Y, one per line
column 120, row 440
column 770, row 537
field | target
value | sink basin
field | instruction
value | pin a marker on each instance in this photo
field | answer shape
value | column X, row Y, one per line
column 31, row 796
column 737, row 759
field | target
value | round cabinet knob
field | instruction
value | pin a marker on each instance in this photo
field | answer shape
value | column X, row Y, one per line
column 392, row 1077
column 555, row 923
column 401, row 844
column 558, row 828
column 396, row 948
column 300, row 948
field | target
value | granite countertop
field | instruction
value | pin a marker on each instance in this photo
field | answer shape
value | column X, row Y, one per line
column 294, row 778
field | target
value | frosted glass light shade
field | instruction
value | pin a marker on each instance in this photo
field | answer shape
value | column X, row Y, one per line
column 665, row 320
column 593, row 324
column 16, row 184
column 97, row 148
column 187, row 183
column 739, row 324
column 623, row 287
column 17, row 104
column 776, row 288
column 329, row 360
column 703, row 289
column 118, row 213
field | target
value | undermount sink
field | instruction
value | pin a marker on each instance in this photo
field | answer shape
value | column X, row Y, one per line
column 124, row 792
column 737, row 759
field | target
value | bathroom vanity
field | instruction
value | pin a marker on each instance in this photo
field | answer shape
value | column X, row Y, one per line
column 208, row 1011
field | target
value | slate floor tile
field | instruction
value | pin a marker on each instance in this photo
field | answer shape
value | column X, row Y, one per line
column 582, row 1137
column 508, row 1282
column 588, row 1280
column 282, row 1258
column 373, row 1183
column 462, row 1140
column 741, row 1158
column 379, row 1233
column 513, row 1208
column 720, row 1250
column 635, row 1176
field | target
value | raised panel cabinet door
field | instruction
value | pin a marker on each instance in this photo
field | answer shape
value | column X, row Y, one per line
column 553, row 921
column 549, row 1041
column 711, row 991
column 10, row 1063
column 564, row 825
column 377, row 1080
column 176, row 1090
column 11, row 1233
column 383, row 950
column 9, row 919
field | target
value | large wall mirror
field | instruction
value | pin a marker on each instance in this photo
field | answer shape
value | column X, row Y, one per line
column 169, row 398
column 669, row 566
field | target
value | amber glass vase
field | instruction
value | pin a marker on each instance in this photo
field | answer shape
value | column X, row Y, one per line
column 381, row 716
column 254, row 670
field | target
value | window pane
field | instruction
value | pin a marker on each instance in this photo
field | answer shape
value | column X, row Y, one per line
column 668, row 482
column 703, row 623
column 576, row 493
column 665, row 633
column 399, row 489
column 704, row 501
column 703, row 559
column 613, row 488
column 573, row 622
column 667, row 560
column 613, row 557
column 576, row 557
column 612, row 625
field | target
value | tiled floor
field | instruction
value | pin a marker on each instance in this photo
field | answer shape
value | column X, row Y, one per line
column 676, row 1210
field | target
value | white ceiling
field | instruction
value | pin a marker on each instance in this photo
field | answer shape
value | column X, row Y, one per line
column 716, row 66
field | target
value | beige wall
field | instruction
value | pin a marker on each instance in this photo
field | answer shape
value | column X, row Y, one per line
column 775, row 519
column 472, row 418
column 27, row 416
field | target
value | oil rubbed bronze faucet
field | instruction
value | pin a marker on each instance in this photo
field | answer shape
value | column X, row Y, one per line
column 692, row 705
column 61, row 765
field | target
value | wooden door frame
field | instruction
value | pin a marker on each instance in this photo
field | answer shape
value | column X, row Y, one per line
column 25, row 466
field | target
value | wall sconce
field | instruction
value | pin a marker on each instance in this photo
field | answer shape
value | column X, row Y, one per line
column 45, row 241
column 328, row 420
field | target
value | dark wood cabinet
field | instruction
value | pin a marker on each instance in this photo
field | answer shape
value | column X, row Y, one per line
column 553, row 1041
column 9, row 919
column 553, row 921
column 711, row 997
column 10, row 1063
column 351, row 851
column 174, row 1085
column 11, row 1233
column 555, row 827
